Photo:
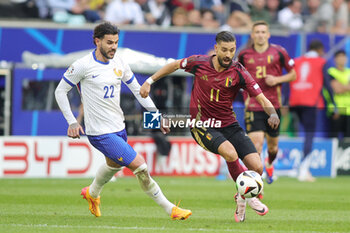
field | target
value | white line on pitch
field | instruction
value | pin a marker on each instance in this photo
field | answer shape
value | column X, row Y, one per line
column 139, row 228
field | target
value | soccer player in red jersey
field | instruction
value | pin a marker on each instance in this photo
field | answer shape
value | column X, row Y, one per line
column 265, row 62
column 217, row 81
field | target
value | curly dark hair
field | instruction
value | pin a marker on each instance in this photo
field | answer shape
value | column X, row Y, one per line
column 105, row 28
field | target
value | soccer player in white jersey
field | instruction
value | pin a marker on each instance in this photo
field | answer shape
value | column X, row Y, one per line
column 98, row 75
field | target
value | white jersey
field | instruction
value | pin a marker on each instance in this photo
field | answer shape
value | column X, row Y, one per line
column 100, row 85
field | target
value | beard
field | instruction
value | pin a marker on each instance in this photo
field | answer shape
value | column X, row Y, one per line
column 220, row 60
column 105, row 54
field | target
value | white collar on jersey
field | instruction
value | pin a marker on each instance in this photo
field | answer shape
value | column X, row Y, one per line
column 311, row 53
column 101, row 62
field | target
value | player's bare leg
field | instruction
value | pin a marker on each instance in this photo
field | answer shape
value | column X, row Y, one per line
column 151, row 188
column 253, row 162
column 272, row 149
column 257, row 138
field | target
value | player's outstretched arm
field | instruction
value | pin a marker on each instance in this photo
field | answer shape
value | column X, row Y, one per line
column 165, row 70
column 273, row 120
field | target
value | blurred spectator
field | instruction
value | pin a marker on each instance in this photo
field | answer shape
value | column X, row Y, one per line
column 334, row 17
column 340, row 83
column 348, row 6
column 157, row 13
column 179, row 17
column 124, row 12
column 259, row 12
column 194, row 18
column 145, row 9
column 216, row 6
column 310, row 15
column 305, row 98
column 311, row 7
column 187, row 5
column 238, row 21
column 19, row 9
column 290, row 16
column 208, row 19
column 99, row 6
column 82, row 7
column 272, row 7
column 239, row 5
column 67, row 11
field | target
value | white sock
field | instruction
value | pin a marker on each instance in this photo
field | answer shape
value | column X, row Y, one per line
column 151, row 188
column 304, row 167
column 103, row 175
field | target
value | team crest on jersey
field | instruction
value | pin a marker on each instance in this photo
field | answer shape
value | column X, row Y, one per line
column 118, row 73
column 269, row 59
column 228, row 82
column 251, row 61
column 204, row 77
column 209, row 136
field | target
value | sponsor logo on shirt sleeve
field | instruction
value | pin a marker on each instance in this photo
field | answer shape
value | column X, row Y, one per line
column 70, row 70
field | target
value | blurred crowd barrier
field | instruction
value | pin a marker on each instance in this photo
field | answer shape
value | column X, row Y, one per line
column 60, row 157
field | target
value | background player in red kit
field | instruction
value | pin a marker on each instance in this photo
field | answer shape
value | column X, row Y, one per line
column 265, row 62
column 216, row 83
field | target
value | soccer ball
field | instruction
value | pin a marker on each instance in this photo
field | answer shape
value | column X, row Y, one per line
column 249, row 184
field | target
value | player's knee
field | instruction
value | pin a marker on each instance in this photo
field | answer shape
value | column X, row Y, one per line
column 259, row 168
column 143, row 176
column 230, row 156
column 273, row 149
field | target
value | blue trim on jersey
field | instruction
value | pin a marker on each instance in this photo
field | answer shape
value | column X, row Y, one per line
column 79, row 88
column 115, row 147
column 182, row 45
column 101, row 62
column 35, row 120
column 130, row 80
column 67, row 81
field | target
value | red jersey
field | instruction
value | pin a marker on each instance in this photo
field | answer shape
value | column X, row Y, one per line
column 213, row 92
column 306, row 89
column 271, row 62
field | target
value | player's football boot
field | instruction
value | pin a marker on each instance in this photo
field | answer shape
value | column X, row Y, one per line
column 269, row 171
column 240, row 208
column 180, row 214
column 94, row 203
column 256, row 205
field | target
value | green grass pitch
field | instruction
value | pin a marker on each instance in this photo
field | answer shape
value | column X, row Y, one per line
column 55, row 205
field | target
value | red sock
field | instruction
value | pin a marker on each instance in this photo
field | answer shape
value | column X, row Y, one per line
column 235, row 168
